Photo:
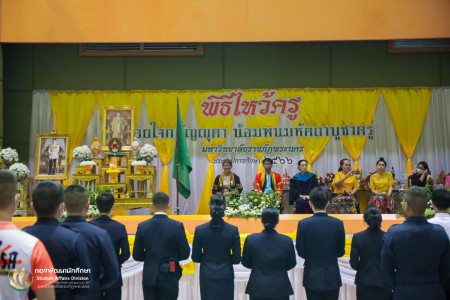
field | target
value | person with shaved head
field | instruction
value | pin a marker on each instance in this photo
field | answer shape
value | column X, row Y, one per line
column 416, row 256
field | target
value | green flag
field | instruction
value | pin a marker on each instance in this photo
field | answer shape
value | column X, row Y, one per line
column 181, row 156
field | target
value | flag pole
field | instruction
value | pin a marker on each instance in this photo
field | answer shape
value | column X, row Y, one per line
column 177, row 209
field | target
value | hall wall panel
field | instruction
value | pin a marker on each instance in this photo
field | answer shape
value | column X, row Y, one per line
column 18, row 71
column 276, row 65
column 445, row 69
column 16, row 121
column 176, row 72
column 368, row 64
column 59, row 67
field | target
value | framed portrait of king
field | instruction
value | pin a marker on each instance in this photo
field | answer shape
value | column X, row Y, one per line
column 118, row 123
column 51, row 157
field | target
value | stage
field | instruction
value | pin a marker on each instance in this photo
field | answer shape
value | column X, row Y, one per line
column 287, row 225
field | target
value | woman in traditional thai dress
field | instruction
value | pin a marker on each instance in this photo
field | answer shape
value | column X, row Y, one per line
column 227, row 179
column 345, row 185
column 300, row 186
column 381, row 184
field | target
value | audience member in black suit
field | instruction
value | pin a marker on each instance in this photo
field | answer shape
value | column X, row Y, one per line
column 66, row 248
column 161, row 244
column 320, row 241
column 365, row 258
column 102, row 258
column 119, row 237
column 270, row 255
column 415, row 256
column 216, row 247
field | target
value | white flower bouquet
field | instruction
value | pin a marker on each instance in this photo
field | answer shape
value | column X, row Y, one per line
column 250, row 204
column 20, row 170
column 81, row 153
column 9, row 156
column 88, row 163
column 92, row 212
column 148, row 152
column 139, row 163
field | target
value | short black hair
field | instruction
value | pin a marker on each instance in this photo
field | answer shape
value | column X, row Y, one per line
column 417, row 199
column 319, row 198
column 47, row 197
column 160, row 200
column 8, row 189
column 302, row 160
column 105, row 202
column 270, row 217
column 266, row 159
column 227, row 161
column 441, row 199
column 75, row 198
column 372, row 216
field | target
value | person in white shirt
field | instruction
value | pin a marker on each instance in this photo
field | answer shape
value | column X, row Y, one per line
column 440, row 201
column 53, row 152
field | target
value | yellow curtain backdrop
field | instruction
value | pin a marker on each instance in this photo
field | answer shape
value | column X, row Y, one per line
column 73, row 111
column 408, row 108
column 313, row 108
column 121, row 98
column 260, row 121
column 207, row 122
column 162, row 109
column 354, row 107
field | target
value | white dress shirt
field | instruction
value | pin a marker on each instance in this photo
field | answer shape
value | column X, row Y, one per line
column 442, row 219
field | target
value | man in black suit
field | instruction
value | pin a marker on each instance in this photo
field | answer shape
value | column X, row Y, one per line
column 103, row 260
column 118, row 234
column 161, row 243
column 66, row 248
column 320, row 241
column 415, row 256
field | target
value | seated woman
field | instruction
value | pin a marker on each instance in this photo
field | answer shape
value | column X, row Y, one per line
column 381, row 184
column 421, row 176
column 301, row 184
column 345, row 185
column 227, row 178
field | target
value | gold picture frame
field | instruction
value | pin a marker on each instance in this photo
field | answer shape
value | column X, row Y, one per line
column 118, row 122
column 51, row 157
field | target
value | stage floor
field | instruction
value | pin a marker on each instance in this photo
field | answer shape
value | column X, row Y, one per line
column 288, row 223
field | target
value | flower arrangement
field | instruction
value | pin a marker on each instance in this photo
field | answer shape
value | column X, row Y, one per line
column 148, row 152
column 81, row 153
column 20, row 170
column 250, row 204
column 440, row 179
column 320, row 180
column 88, row 163
column 9, row 156
column 139, row 163
column 329, row 178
